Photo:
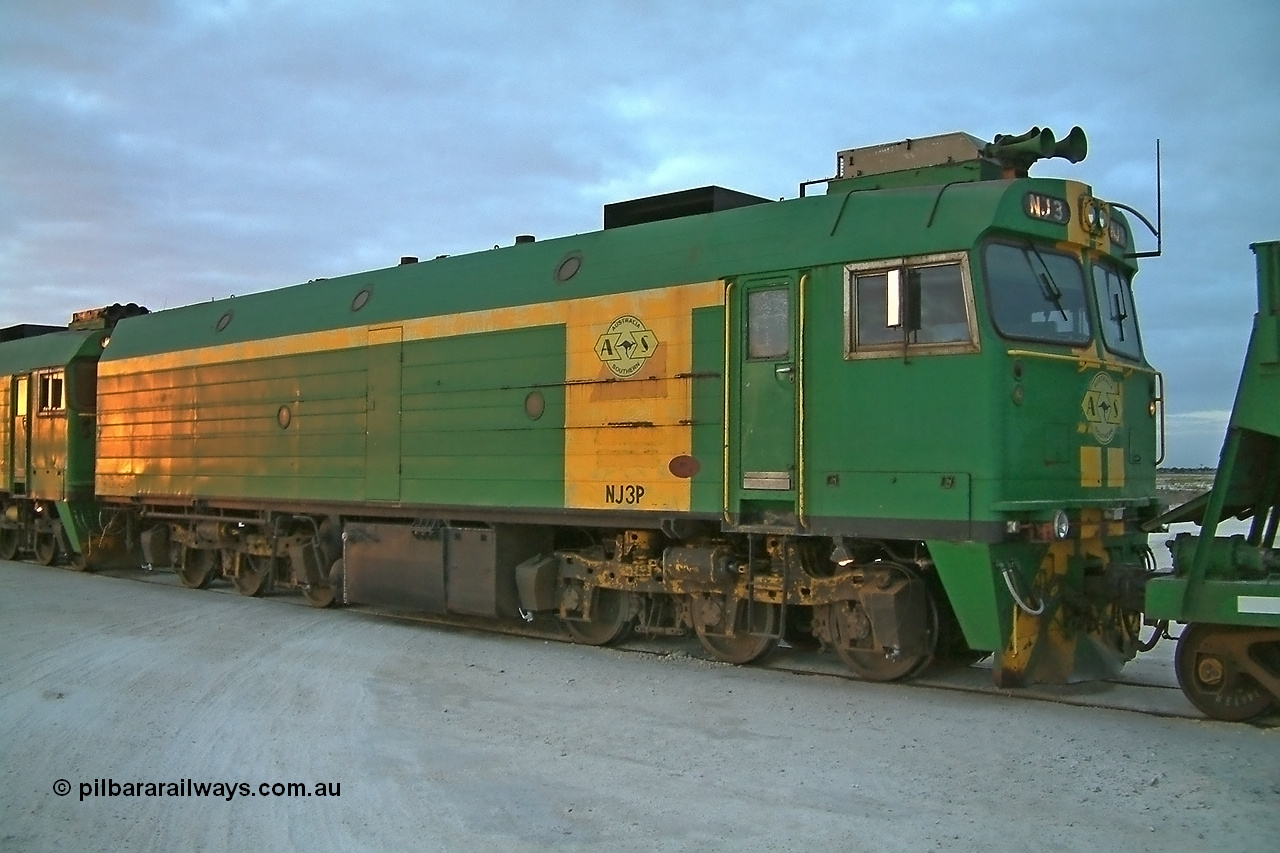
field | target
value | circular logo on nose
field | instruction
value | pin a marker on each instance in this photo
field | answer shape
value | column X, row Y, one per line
column 626, row 345
column 1102, row 407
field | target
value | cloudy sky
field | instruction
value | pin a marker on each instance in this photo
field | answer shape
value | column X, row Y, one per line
column 173, row 152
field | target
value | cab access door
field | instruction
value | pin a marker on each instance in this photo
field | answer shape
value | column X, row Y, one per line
column 21, row 435
column 762, row 433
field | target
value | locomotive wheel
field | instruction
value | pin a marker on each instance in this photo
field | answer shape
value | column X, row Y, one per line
column 319, row 596
column 9, row 542
column 255, row 575
column 1213, row 680
column 854, row 641
column 323, row 596
column 197, row 569
column 742, row 647
column 46, row 548
column 611, row 619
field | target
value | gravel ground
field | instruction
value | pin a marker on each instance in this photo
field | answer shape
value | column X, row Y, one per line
column 446, row 739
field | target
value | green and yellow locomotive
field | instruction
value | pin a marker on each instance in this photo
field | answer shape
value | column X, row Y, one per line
column 910, row 417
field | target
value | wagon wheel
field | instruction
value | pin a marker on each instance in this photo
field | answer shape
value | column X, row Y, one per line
column 612, row 615
column 9, row 537
column 255, row 576
column 46, row 548
column 854, row 641
column 1212, row 678
column 198, row 568
column 715, row 619
column 322, row 595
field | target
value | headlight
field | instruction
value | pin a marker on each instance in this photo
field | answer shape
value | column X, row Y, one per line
column 1093, row 216
column 1061, row 525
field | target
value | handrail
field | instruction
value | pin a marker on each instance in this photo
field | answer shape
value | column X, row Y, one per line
column 800, row 484
column 728, row 333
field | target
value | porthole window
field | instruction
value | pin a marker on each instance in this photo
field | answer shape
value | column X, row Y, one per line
column 224, row 321
column 569, row 267
column 284, row 417
column 361, row 299
column 534, row 405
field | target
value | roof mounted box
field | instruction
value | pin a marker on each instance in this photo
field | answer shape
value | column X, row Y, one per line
column 656, row 208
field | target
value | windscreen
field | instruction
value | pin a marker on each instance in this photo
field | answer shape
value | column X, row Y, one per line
column 1036, row 293
column 1115, row 306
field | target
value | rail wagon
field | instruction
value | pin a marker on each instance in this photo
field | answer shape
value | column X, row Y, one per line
column 48, row 401
column 909, row 418
column 1226, row 589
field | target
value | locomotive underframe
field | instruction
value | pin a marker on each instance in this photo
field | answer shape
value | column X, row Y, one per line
column 881, row 605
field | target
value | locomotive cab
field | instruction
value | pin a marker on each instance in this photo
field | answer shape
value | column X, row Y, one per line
column 994, row 400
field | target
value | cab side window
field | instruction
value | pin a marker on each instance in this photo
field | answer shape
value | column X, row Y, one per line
column 769, row 323
column 922, row 303
column 51, row 393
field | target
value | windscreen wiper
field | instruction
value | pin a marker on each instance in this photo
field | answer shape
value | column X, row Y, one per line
column 1118, row 313
column 1048, row 286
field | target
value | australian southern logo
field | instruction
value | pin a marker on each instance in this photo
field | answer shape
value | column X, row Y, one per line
column 1102, row 407
column 626, row 345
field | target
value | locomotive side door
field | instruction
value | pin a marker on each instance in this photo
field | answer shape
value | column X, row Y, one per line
column 21, row 430
column 382, row 415
column 764, row 361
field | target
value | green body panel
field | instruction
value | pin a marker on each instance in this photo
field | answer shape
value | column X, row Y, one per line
column 1225, row 601
column 384, row 421
column 707, row 487
column 430, row 422
column 215, row 430
column 1255, row 407
column 967, row 574
column 467, row 439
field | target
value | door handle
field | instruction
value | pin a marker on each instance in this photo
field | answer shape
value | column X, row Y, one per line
column 787, row 370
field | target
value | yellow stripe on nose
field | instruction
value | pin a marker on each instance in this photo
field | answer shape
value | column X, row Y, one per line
column 1090, row 467
column 1115, row 467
